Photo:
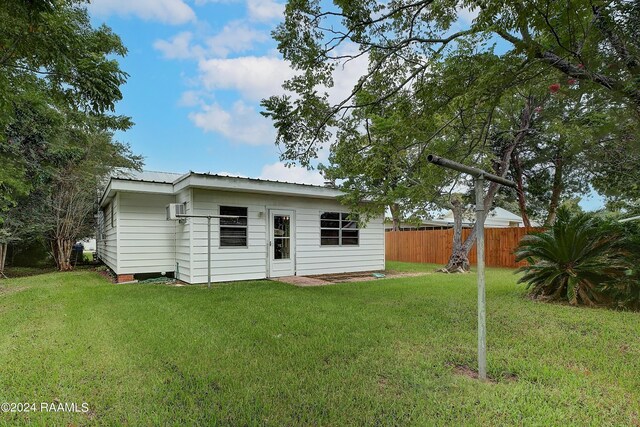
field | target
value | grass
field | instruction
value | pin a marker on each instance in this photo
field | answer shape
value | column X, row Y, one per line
column 381, row 352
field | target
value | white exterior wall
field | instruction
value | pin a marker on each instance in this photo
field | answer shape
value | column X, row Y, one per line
column 251, row 262
column 147, row 241
column 107, row 243
column 183, row 238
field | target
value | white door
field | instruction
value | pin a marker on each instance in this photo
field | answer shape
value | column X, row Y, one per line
column 281, row 243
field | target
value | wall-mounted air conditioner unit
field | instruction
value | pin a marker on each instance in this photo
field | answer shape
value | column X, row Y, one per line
column 174, row 210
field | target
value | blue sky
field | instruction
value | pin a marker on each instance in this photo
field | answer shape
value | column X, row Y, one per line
column 198, row 69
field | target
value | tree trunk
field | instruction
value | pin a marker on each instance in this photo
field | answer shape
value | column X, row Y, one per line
column 3, row 258
column 556, row 190
column 61, row 249
column 501, row 170
column 522, row 201
column 459, row 260
column 395, row 216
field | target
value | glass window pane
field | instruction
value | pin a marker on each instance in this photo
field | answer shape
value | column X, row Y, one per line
column 281, row 226
column 233, row 241
column 329, row 233
column 329, row 224
column 350, row 224
column 281, row 248
column 329, row 241
column 349, row 241
column 349, row 233
column 330, row 215
column 233, row 236
column 349, row 217
column 236, row 211
column 233, row 210
column 233, row 231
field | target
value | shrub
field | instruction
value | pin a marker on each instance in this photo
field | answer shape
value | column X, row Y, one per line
column 626, row 290
column 582, row 259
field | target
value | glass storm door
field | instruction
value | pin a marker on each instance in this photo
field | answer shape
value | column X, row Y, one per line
column 281, row 244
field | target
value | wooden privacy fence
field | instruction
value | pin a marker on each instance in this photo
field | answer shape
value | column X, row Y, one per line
column 434, row 246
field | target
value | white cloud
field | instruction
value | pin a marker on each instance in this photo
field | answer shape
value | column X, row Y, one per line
column 241, row 124
column 279, row 172
column 346, row 76
column 468, row 15
column 190, row 98
column 179, row 47
column 256, row 77
column 173, row 12
column 265, row 10
column 235, row 37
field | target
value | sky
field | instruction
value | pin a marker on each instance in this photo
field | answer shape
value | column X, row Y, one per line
column 197, row 72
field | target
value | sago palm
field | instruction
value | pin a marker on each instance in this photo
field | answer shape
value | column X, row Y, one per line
column 574, row 260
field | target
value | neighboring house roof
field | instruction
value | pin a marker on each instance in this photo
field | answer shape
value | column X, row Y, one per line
column 171, row 183
column 497, row 217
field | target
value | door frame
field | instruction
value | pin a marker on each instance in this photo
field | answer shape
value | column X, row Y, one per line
column 271, row 211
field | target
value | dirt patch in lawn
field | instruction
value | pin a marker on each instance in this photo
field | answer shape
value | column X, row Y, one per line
column 6, row 290
column 330, row 279
column 469, row 372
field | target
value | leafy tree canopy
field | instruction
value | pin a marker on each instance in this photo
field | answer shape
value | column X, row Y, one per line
column 405, row 41
column 57, row 74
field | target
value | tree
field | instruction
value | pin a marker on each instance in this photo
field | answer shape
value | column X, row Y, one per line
column 377, row 158
column 51, row 56
column 69, row 201
column 416, row 46
column 596, row 43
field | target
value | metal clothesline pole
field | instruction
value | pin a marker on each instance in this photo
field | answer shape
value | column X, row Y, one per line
column 208, row 252
column 478, row 182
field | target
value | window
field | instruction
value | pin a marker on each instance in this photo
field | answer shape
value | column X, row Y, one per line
column 233, row 231
column 338, row 229
column 281, row 237
column 113, row 224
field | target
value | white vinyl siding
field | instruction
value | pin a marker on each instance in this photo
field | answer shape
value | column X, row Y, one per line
column 250, row 262
column 183, row 239
column 107, row 242
column 313, row 258
column 228, row 263
column 147, row 241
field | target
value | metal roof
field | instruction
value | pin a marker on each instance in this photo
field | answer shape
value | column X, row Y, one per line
column 168, row 182
column 147, row 176
column 174, row 177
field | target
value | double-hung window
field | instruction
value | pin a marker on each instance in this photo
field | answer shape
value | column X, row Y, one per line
column 339, row 229
column 233, row 231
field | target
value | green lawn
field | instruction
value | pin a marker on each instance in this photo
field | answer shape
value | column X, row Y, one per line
column 381, row 352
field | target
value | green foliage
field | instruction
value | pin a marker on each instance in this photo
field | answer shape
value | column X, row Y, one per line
column 588, row 52
column 59, row 81
column 580, row 259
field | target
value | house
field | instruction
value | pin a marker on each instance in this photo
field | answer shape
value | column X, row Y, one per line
column 281, row 229
column 496, row 218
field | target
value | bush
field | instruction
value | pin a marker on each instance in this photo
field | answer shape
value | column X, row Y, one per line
column 582, row 259
column 626, row 290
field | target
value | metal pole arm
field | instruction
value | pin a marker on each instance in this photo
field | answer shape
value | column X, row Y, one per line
column 475, row 172
column 207, row 216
